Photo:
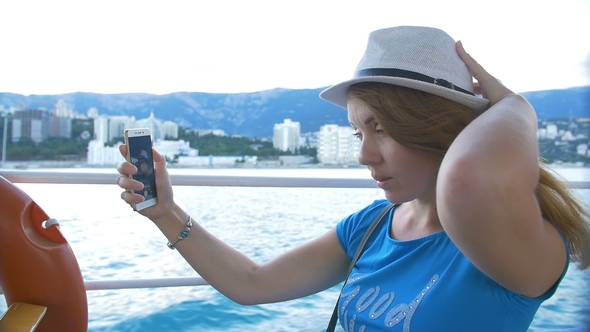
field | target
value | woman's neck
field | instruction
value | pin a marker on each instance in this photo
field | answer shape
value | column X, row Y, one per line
column 413, row 220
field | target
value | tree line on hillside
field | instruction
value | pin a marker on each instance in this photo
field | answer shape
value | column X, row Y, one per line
column 238, row 146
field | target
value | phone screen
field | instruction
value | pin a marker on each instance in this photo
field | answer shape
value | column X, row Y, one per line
column 140, row 151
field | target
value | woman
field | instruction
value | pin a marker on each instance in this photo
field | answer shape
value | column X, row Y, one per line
column 474, row 242
column 144, row 173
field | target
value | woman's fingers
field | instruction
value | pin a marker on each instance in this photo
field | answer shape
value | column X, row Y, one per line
column 477, row 88
column 127, row 183
column 126, row 169
column 477, row 70
column 163, row 184
column 487, row 85
column 123, row 150
column 159, row 161
column 130, row 197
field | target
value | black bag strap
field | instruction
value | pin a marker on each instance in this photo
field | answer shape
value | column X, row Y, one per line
column 357, row 254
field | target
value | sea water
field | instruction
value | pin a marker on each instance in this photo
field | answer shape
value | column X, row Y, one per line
column 111, row 241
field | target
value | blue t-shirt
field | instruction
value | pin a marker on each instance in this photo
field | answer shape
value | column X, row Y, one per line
column 425, row 284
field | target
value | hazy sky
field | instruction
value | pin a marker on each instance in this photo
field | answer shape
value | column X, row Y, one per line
column 59, row 46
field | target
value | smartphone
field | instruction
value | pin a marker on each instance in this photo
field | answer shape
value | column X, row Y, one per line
column 139, row 153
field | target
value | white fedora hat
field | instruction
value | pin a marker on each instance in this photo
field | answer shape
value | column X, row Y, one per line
column 420, row 58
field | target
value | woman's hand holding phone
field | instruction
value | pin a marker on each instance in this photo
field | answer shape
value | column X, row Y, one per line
column 163, row 183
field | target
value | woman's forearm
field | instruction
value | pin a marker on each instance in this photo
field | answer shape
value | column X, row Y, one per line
column 303, row 270
column 224, row 268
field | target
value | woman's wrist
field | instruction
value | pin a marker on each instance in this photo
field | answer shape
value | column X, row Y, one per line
column 182, row 235
column 175, row 224
column 174, row 215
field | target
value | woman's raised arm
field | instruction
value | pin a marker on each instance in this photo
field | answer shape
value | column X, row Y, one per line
column 486, row 193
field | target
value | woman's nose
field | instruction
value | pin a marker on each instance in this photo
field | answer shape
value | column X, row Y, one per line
column 368, row 153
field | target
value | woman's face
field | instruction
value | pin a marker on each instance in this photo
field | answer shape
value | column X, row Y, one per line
column 403, row 173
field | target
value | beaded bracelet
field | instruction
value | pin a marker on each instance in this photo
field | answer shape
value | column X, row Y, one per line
column 182, row 234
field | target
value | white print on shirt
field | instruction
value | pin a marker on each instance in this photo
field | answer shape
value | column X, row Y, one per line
column 379, row 305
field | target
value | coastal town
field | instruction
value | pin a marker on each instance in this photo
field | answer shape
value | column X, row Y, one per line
column 97, row 137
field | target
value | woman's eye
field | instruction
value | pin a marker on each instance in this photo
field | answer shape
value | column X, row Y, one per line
column 359, row 136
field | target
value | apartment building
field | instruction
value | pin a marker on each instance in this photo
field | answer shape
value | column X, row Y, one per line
column 37, row 125
column 337, row 145
column 286, row 135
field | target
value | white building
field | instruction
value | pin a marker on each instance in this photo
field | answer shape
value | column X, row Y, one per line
column 172, row 149
column 582, row 149
column 107, row 128
column 568, row 136
column 92, row 113
column 203, row 132
column 38, row 124
column 169, row 130
column 161, row 130
column 337, row 145
column 286, row 135
column 101, row 155
column 63, row 111
column 309, row 140
column 551, row 131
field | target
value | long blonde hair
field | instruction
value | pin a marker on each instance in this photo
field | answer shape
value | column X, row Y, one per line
column 426, row 122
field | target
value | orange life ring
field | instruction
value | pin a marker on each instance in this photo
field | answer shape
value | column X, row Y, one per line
column 37, row 265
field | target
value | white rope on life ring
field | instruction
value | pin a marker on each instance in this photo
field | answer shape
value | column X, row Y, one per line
column 50, row 222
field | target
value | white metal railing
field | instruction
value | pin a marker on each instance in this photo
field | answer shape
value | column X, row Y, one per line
column 141, row 283
column 144, row 283
column 61, row 177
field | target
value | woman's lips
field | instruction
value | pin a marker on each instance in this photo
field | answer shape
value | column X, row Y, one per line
column 382, row 181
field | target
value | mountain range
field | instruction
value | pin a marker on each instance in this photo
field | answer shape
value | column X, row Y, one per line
column 254, row 114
